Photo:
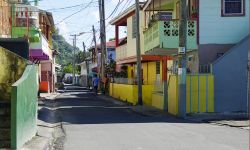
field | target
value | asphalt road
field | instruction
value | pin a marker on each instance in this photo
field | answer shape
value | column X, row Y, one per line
column 93, row 123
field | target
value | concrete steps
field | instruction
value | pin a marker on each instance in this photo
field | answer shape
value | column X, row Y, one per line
column 5, row 124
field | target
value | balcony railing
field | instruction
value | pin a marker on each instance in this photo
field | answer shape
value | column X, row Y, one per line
column 165, row 34
column 121, row 52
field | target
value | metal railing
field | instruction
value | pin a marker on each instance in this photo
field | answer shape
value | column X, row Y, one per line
column 205, row 68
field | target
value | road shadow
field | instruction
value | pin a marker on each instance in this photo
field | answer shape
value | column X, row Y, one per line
column 86, row 108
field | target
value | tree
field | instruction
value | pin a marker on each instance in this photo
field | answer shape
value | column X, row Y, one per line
column 68, row 69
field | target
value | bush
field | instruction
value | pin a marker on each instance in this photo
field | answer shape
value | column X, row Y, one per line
column 59, row 85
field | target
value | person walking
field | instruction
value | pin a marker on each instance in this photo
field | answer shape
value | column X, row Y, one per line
column 95, row 82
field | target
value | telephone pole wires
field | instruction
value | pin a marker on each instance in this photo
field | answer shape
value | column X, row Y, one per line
column 138, row 53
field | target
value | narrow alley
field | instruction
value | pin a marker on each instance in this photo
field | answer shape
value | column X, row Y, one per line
column 100, row 123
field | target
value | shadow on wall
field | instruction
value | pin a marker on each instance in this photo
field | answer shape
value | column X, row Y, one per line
column 11, row 69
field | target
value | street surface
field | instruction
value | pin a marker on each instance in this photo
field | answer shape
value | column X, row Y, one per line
column 93, row 123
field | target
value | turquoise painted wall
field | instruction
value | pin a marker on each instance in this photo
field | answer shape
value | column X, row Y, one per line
column 215, row 29
column 24, row 107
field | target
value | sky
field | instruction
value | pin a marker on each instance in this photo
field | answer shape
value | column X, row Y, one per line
column 86, row 15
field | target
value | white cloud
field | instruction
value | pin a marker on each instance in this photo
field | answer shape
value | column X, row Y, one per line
column 64, row 30
column 96, row 15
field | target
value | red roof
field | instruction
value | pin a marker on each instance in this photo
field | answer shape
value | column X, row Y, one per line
column 109, row 44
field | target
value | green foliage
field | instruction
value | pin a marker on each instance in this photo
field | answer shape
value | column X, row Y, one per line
column 68, row 68
column 66, row 52
column 110, row 69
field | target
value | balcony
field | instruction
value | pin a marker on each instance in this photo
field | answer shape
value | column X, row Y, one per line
column 165, row 35
column 40, row 50
column 121, row 52
column 32, row 33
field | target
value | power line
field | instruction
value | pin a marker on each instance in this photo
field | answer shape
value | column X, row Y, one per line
column 68, row 7
column 75, row 12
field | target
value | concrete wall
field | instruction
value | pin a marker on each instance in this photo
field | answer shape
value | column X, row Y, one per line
column 230, row 73
column 11, row 69
column 158, row 100
column 215, row 29
column 24, row 107
column 131, row 94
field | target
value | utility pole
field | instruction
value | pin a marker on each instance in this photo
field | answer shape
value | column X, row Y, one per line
column 74, row 65
column 74, row 52
column 87, row 63
column 94, row 38
column 138, row 52
column 248, row 80
column 102, row 36
column 182, row 58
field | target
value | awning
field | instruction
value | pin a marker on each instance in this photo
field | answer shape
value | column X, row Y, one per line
column 144, row 58
column 19, row 46
column 38, row 54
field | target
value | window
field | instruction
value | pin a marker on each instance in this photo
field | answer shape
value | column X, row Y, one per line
column 134, row 24
column 233, row 7
column 158, row 67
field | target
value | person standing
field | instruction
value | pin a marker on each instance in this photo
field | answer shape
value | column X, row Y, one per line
column 95, row 82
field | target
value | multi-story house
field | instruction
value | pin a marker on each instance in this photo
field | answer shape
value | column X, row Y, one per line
column 154, row 67
column 18, row 85
column 94, row 62
column 37, row 26
column 217, row 41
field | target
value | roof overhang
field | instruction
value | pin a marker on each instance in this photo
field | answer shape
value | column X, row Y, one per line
column 159, row 5
column 144, row 58
column 48, row 17
column 121, row 19
column 19, row 46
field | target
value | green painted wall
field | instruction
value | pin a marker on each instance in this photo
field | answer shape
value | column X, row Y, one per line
column 11, row 69
column 24, row 107
column 34, row 33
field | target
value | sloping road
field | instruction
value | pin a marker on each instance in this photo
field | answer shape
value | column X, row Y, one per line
column 93, row 123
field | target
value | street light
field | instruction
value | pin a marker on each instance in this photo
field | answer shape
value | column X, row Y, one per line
column 74, row 64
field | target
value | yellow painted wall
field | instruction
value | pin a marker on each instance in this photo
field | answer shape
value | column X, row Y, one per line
column 199, row 94
column 151, row 72
column 130, row 68
column 173, row 95
column 129, row 94
column 158, row 100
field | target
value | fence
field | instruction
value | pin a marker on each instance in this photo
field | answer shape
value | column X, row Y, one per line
column 199, row 94
column 24, row 107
